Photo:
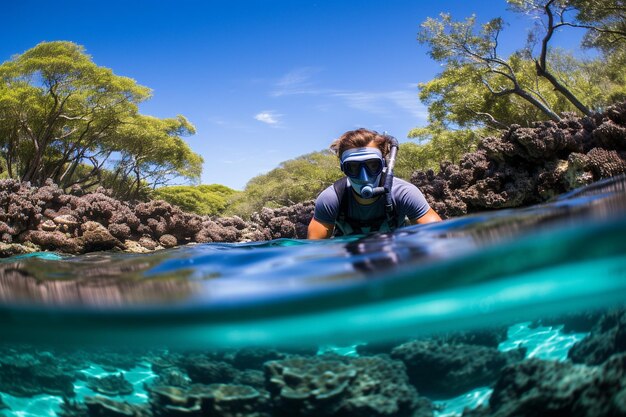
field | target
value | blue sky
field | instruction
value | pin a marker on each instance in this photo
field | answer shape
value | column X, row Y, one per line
column 263, row 81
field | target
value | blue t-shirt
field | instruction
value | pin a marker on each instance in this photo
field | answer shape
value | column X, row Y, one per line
column 408, row 200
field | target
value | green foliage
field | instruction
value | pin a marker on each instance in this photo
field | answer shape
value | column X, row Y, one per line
column 480, row 92
column 294, row 181
column 60, row 111
column 201, row 199
column 436, row 144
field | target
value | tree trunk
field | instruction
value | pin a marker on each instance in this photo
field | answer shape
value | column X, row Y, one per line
column 541, row 65
column 542, row 72
column 532, row 100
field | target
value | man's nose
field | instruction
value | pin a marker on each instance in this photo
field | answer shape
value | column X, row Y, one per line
column 363, row 175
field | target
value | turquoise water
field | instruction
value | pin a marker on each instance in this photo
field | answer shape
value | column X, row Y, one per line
column 501, row 269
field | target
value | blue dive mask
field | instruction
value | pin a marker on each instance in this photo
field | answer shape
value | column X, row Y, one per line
column 363, row 167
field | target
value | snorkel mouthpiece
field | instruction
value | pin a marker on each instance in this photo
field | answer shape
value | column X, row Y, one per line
column 368, row 191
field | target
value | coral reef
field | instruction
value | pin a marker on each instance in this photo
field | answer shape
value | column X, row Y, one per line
column 527, row 166
column 537, row 387
column 340, row 386
column 267, row 382
column 443, row 370
column 607, row 337
column 219, row 400
column 110, row 385
column 25, row 374
column 46, row 218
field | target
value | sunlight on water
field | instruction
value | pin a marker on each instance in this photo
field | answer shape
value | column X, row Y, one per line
column 542, row 342
column 547, row 343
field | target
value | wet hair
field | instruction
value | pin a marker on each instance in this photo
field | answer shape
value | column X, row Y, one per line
column 360, row 138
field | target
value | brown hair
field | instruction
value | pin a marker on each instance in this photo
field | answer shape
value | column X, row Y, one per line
column 360, row 138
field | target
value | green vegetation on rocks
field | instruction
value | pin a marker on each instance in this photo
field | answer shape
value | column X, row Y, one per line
column 294, row 181
column 207, row 200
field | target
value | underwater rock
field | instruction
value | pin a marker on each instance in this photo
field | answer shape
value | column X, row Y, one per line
column 251, row 377
column 607, row 337
column 341, row 386
column 163, row 362
column 105, row 407
column 72, row 408
column 442, row 369
column 218, row 400
column 27, row 375
column 489, row 337
column 376, row 348
column 254, row 358
column 174, row 377
column 110, row 385
column 205, row 371
column 174, row 401
column 234, row 400
column 113, row 360
column 536, row 387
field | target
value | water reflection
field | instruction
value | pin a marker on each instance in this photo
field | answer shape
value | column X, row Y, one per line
column 217, row 272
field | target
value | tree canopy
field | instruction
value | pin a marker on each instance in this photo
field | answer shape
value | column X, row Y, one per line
column 65, row 118
column 481, row 91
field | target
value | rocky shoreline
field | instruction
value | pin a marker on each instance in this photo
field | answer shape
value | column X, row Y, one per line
column 523, row 166
column 47, row 218
column 526, row 166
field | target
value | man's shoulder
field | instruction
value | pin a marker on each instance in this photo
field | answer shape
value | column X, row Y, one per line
column 401, row 186
column 328, row 195
column 406, row 194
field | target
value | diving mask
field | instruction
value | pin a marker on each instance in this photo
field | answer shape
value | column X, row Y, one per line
column 364, row 168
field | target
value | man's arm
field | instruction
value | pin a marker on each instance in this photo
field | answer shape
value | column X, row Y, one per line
column 320, row 230
column 431, row 216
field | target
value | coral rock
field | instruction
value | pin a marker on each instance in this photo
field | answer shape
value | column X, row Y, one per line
column 168, row 241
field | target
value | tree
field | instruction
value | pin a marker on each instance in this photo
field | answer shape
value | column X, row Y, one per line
column 480, row 92
column 436, row 144
column 152, row 150
column 60, row 111
column 604, row 21
column 458, row 44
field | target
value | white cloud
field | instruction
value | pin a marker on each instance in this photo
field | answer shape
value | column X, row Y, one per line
column 268, row 117
column 382, row 103
column 385, row 103
column 297, row 81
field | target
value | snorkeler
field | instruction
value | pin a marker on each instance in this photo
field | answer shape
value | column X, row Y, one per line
column 369, row 198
